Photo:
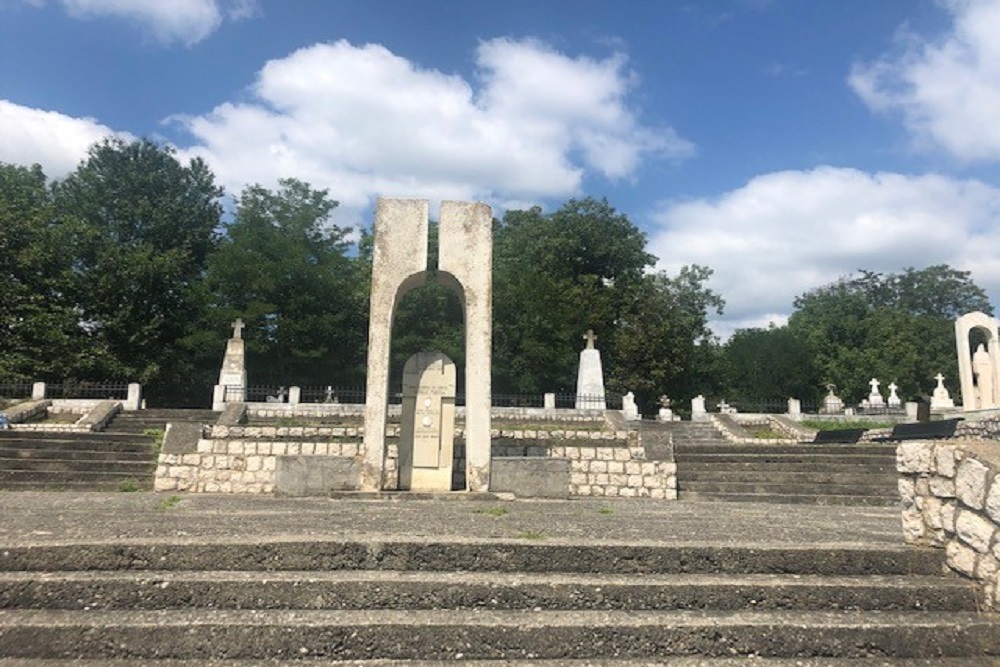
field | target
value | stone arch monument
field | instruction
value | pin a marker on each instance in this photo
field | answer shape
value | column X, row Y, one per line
column 399, row 263
column 979, row 370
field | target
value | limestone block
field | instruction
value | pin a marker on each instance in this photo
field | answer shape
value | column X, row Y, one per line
column 619, row 480
column 220, row 447
column 254, row 463
column 634, row 481
column 577, row 478
column 944, row 460
column 907, row 491
column 308, row 449
column 588, row 453
column 987, row 568
column 622, row 454
column 165, row 484
column 931, row 508
column 599, row 466
column 637, row 453
column 583, row 490
column 628, row 492
column 652, row 482
column 970, row 483
column 606, row 454
column 915, row 457
column 573, row 453
column 633, row 468
column 269, row 463
column 602, row 479
column 961, row 558
column 922, row 486
column 658, row 494
column 913, row 525
column 975, row 530
column 948, row 510
column 993, row 500
column 942, row 487
column 204, row 446
column 616, row 467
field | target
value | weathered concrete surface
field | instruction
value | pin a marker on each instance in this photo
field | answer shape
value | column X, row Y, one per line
column 315, row 475
column 531, row 477
column 40, row 518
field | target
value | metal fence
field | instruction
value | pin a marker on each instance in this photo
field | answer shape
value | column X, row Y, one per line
column 117, row 391
column 15, row 389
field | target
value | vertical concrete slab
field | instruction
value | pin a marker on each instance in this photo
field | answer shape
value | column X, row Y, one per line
column 466, row 256
column 427, row 429
column 399, row 263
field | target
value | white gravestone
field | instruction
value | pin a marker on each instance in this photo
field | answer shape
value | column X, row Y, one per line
column 630, row 411
column 941, row 399
column 698, row 412
column 875, row 399
column 427, row 430
column 666, row 414
column 832, row 404
column 894, row 401
column 590, row 377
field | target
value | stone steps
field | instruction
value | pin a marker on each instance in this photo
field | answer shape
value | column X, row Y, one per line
column 465, row 601
column 142, row 421
column 780, row 472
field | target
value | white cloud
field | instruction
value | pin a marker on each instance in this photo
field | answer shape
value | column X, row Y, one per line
column 364, row 121
column 55, row 141
column 947, row 89
column 785, row 233
column 177, row 21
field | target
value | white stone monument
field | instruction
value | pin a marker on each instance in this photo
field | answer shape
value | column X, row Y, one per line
column 893, row 399
column 875, row 399
column 666, row 414
column 941, row 399
column 427, row 429
column 232, row 384
column 698, row 412
column 630, row 411
column 590, row 377
column 979, row 373
column 465, row 264
column 832, row 404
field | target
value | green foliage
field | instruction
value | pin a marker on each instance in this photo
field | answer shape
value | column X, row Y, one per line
column 283, row 267
column 767, row 364
column 128, row 486
column 896, row 327
column 839, row 425
column 168, row 503
column 143, row 226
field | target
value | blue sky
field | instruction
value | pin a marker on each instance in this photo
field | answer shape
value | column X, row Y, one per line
column 783, row 143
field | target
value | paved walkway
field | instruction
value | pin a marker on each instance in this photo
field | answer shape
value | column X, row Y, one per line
column 72, row 517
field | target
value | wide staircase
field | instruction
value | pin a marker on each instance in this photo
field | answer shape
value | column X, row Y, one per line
column 121, row 458
column 460, row 601
column 710, row 468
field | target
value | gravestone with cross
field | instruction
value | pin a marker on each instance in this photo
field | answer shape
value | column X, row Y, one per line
column 232, row 384
column 590, row 377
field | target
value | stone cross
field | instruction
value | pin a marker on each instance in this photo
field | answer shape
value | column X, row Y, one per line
column 940, row 380
column 893, row 387
column 238, row 328
column 590, row 337
column 874, row 385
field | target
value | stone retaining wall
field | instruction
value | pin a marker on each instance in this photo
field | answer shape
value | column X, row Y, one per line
column 951, row 499
column 22, row 412
column 243, row 459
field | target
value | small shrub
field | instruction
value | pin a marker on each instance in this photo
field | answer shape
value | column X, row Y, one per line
column 493, row 511
column 168, row 503
column 128, row 486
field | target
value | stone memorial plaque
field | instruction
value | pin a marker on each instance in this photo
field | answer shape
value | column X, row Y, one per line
column 428, row 423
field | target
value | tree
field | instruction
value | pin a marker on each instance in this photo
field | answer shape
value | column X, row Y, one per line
column 283, row 267
column 144, row 227
column 662, row 341
column 896, row 327
column 40, row 336
column 768, row 364
column 555, row 276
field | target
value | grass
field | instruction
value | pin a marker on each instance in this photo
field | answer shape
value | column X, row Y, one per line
column 494, row 511
column 768, row 434
column 168, row 503
column 128, row 486
column 531, row 535
column 831, row 425
column 605, row 510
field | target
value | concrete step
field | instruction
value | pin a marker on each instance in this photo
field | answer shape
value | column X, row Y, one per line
column 488, row 634
column 151, row 590
column 35, row 453
column 101, row 480
column 799, row 476
column 659, row 661
column 102, row 484
column 888, row 451
column 768, row 458
column 790, row 499
column 475, row 555
column 779, row 487
column 77, row 465
column 849, row 467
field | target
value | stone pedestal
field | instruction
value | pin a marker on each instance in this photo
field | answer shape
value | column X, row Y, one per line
column 427, row 429
column 234, row 373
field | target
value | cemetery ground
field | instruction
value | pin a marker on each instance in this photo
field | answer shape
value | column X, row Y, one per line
column 94, row 578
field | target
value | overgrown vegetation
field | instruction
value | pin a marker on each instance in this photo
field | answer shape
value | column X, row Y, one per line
column 835, row 425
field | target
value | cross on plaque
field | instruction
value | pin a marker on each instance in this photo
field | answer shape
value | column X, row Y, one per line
column 590, row 337
column 238, row 328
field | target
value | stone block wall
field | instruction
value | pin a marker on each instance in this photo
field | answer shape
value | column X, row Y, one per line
column 951, row 499
column 243, row 459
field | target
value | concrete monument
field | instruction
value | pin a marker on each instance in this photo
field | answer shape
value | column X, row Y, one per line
column 893, row 399
column 875, row 399
column 978, row 373
column 832, row 404
column 630, row 411
column 941, row 399
column 427, row 431
column 232, row 384
column 399, row 263
column 590, row 377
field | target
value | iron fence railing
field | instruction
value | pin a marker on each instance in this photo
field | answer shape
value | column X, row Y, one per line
column 15, row 389
column 117, row 391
